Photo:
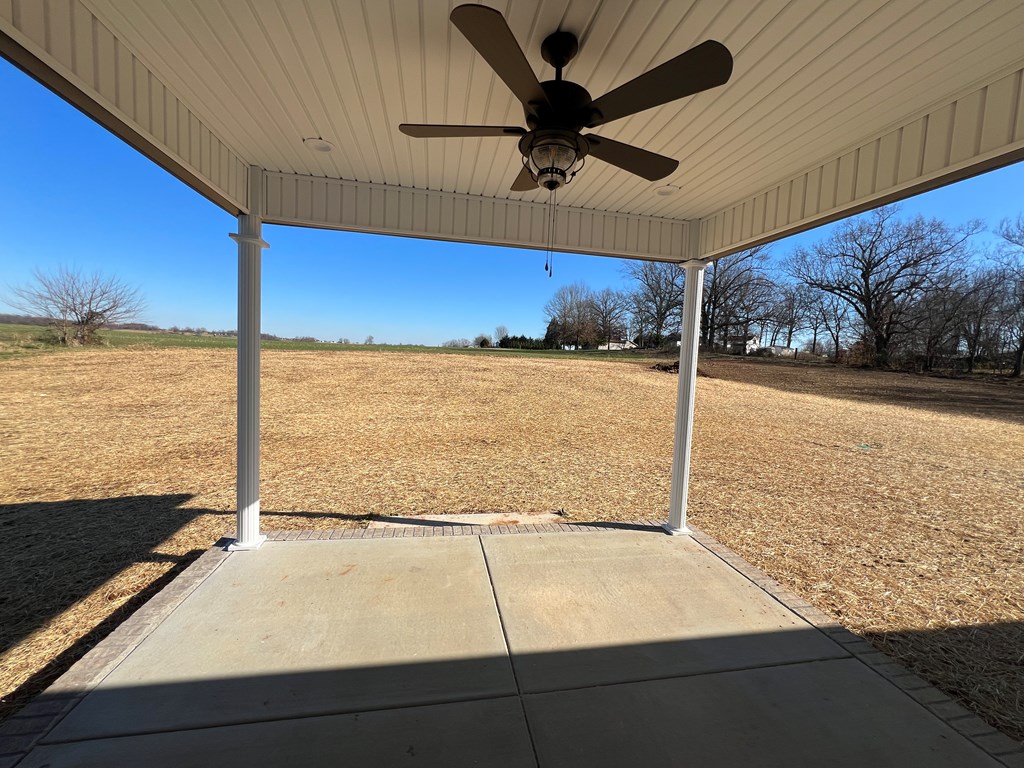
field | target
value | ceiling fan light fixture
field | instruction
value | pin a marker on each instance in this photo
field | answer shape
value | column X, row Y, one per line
column 553, row 156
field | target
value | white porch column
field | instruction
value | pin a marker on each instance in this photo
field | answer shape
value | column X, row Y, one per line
column 250, row 247
column 689, row 340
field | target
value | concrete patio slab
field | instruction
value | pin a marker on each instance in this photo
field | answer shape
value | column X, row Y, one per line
column 627, row 647
column 632, row 607
column 309, row 628
column 836, row 713
column 478, row 733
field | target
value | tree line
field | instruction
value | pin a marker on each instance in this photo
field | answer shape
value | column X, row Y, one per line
column 500, row 339
column 880, row 290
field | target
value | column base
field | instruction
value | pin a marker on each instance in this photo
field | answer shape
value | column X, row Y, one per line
column 238, row 546
column 684, row 531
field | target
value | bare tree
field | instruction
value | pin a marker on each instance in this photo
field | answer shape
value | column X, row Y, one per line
column 500, row 332
column 78, row 305
column 737, row 293
column 881, row 267
column 609, row 308
column 835, row 316
column 639, row 317
column 980, row 316
column 658, row 295
column 790, row 312
column 750, row 306
column 1013, row 233
column 935, row 320
column 569, row 315
column 1012, row 259
column 1012, row 323
column 815, row 321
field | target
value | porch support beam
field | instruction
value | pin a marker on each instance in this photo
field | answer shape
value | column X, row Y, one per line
column 313, row 201
column 689, row 339
column 250, row 247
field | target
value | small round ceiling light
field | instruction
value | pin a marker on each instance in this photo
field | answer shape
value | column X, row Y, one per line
column 666, row 190
column 318, row 145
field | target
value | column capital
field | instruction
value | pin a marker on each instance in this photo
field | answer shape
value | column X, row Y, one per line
column 248, row 239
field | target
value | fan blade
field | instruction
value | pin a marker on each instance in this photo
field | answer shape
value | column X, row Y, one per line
column 706, row 66
column 649, row 165
column 488, row 32
column 524, row 181
column 424, row 131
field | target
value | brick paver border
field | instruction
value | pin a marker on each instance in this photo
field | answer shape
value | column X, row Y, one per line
column 23, row 730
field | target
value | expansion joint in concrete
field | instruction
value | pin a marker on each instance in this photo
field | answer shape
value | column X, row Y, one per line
column 508, row 650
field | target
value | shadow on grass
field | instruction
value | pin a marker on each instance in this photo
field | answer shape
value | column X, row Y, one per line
column 60, row 664
column 978, row 663
column 54, row 554
column 270, row 514
column 996, row 398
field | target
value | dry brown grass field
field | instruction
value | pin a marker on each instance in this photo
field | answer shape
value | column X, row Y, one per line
column 892, row 502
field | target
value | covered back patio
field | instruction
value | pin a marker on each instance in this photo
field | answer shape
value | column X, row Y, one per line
column 831, row 109
column 291, row 116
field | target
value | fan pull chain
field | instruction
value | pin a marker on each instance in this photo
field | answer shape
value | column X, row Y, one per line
column 547, row 243
column 549, row 261
column 554, row 228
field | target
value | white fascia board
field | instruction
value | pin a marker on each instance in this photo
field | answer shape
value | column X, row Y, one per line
column 73, row 53
column 980, row 131
column 311, row 201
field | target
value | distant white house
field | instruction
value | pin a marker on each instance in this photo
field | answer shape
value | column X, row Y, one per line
column 778, row 350
column 617, row 344
column 744, row 344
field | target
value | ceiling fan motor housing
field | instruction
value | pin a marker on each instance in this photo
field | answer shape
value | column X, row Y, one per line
column 569, row 106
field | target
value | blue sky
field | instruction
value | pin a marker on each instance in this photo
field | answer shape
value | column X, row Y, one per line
column 73, row 194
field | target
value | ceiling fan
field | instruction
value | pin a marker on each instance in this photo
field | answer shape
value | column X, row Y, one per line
column 557, row 110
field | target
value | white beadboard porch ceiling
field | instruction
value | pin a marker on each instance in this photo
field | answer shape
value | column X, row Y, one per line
column 812, row 79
